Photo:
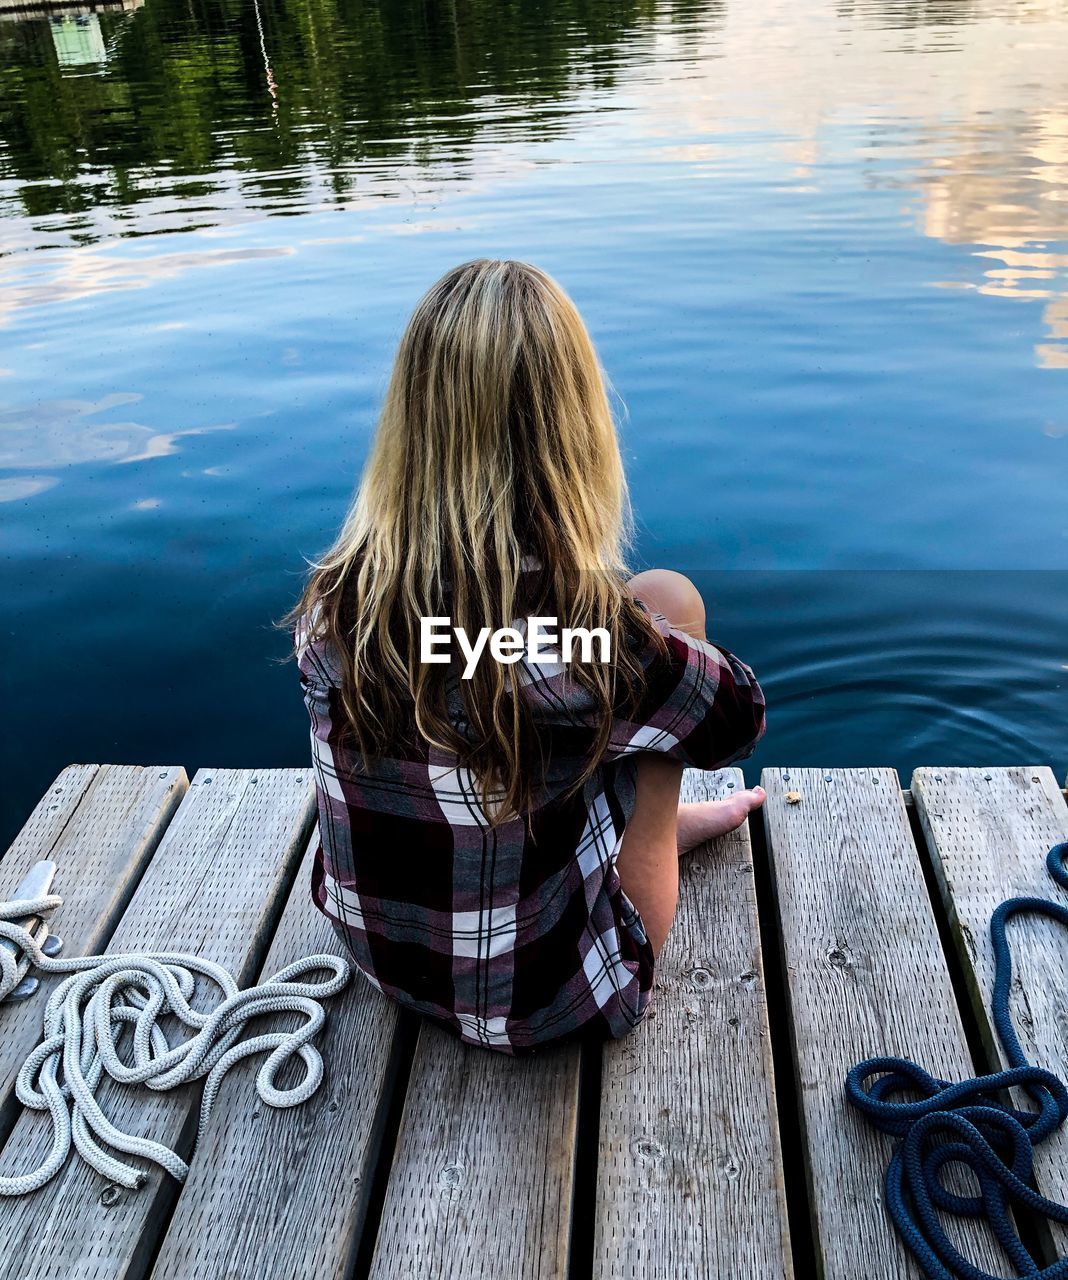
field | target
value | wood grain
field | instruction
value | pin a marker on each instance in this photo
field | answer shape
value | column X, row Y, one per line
column 690, row 1177
column 483, row 1174
column 988, row 833
column 52, row 813
column 214, row 887
column 866, row 977
column 100, row 824
column 235, row 1215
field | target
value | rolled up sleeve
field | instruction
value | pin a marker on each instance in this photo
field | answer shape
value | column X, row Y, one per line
column 701, row 705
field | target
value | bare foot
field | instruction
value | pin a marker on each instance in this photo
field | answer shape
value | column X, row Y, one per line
column 707, row 819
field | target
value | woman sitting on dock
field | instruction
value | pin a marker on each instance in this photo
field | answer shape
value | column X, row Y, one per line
column 499, row 838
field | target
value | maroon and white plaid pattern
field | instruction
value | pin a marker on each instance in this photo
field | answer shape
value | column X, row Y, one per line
column 517, row 935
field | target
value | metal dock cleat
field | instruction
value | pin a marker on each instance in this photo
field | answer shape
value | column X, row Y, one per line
column 35, row 884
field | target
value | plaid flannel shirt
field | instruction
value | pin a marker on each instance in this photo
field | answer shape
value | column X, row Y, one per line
column 519, row 935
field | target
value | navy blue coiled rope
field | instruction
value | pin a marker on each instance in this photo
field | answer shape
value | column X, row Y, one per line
column 968, row 1124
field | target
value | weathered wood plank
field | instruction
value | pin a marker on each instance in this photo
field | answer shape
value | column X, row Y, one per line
column 690, row 1177
column 255, row 1163
column 214, row 888
column 54, row 810
column 988, row 833
column 100, row 824
column 483, row 1174
column 866, row 976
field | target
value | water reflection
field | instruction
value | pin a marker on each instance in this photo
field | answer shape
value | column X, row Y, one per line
column 199, row 118
column 1002, row 185
column 974, row 136
column 74, row 275
column 62, row 433
column 908, row 15
column 272, row 88
column 77, row 40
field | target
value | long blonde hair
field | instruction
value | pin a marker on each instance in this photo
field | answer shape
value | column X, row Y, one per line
column 496, row 449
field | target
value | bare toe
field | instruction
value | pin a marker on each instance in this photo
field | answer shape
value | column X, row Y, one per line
column 707, row 819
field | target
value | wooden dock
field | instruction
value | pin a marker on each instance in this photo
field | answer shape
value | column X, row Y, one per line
column 714, row 1142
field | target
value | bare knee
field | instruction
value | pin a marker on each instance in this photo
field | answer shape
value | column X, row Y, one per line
column 673, row 595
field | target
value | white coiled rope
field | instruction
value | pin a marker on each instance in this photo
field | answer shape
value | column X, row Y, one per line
column 87, row 1012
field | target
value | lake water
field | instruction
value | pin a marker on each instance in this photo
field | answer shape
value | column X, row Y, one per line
column 822, row 247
